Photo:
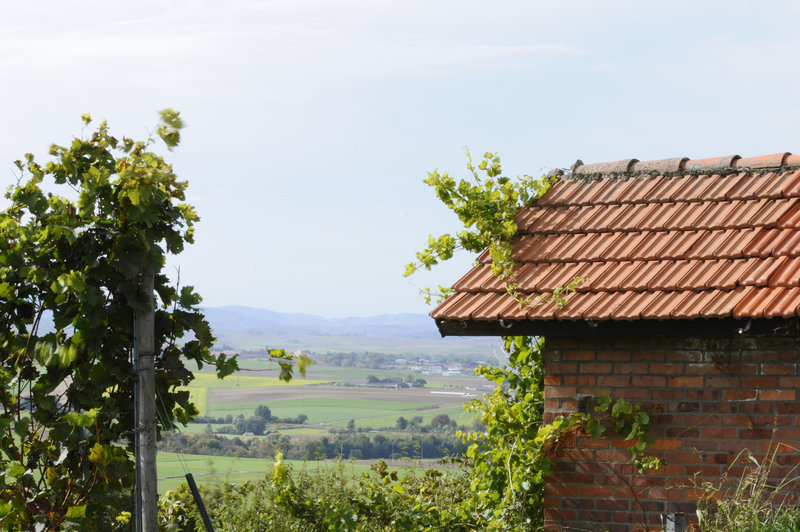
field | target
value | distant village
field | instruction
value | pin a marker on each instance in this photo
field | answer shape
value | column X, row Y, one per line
column 432, row 367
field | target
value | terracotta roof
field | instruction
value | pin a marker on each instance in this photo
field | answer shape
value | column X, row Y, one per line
column 673, row 239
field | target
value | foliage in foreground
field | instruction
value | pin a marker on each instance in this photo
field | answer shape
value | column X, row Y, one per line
column 69, row 269
column 754, row 501
column 382, row 500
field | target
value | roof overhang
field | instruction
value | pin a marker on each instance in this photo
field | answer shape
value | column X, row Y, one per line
column 725, row 327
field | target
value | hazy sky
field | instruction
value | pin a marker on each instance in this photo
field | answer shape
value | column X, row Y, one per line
column 311, row 124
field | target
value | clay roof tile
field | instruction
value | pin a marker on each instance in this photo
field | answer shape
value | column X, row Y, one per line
column 712, row 163
column 787, row 274
column 792, row 188
column 722, row 303
column 613, row 167
column 788, row 245
column 661, row 166
column 665, row 239
column 763, row 161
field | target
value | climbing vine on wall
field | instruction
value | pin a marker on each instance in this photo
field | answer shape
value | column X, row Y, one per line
column 512, row 458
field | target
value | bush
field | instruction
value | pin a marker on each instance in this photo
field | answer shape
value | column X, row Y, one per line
column 382, row 500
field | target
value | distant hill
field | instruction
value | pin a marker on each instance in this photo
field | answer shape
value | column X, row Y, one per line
column 413, row 335
column 247, row 319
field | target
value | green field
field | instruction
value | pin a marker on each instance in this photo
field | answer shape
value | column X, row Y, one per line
column 208, row 470
column 330, row 397
column 461, row 416
column 323, row 410
column 209, row 380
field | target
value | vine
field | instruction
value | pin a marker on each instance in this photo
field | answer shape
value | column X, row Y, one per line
column 486, row 204
column 68, row 289
column 510, row 461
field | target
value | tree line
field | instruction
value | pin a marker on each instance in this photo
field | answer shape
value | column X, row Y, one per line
column 358, row 446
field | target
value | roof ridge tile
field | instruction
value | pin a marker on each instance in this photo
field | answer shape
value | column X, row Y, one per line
column 622, row 166
column 676, row 165
column 661, row 166
column 763, row 161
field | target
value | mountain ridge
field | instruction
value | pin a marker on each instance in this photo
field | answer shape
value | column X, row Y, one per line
column 252, row 319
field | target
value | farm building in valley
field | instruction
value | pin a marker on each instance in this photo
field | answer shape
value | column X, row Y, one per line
column 689, row 305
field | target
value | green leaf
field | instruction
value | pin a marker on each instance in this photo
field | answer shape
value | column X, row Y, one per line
column 77, row 419
column 169, row 130
column 603, row 402
column 16, row 470
column 594, row 428
column 21, row 427
column 622, row 407
column 6, row 292
column 77, row 512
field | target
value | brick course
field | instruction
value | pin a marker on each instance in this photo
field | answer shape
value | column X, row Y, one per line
column 709, row 399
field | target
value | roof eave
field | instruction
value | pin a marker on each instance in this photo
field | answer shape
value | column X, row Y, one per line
column 719, row 327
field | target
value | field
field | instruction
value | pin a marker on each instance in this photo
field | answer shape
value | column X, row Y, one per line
column 334, row 406
column 330, row 397
column 213, row 469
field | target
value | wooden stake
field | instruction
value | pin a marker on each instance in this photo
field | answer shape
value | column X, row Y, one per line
column 146, row 473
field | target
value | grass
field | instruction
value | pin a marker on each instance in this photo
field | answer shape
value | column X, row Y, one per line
column 755, row 501
column 209, row 380
column 199, row 397
column 208, row 470
column 327, row 410
column 461, row 416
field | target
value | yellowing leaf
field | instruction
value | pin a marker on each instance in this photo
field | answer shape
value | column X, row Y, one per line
column 77, row 512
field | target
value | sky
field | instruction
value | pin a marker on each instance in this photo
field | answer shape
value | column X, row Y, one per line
column 312, row 124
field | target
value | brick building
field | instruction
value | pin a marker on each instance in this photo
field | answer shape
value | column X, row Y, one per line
column 692, row 290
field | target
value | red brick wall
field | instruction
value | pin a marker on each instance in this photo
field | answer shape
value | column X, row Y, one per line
column 708, row 399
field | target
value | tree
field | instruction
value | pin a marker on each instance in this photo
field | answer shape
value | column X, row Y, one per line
column 264, row 412
column 440, row 420
column 351, row 425
column 401, row 423
column 74, row 261
column 256, row 425
column 240, row 424
column 372, row 379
